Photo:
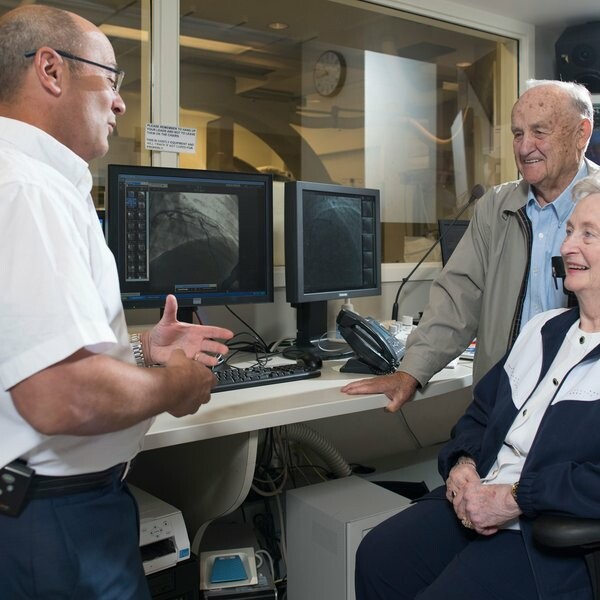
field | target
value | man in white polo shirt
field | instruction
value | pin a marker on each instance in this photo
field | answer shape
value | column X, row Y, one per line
column 74, row 406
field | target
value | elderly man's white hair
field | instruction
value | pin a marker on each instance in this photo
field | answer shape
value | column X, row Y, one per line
column 579, row 94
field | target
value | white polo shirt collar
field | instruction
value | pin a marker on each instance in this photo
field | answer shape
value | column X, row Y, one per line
column 38, row 144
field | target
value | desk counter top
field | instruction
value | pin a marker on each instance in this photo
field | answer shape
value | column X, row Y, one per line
column 273, row 405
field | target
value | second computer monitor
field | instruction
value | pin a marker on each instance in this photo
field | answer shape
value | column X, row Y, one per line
column 332, row 250
column 451, row 233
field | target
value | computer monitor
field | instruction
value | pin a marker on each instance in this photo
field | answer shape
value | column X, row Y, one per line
column 451, row 233
column 101, row 213
column 204, row 236
column 332, row 251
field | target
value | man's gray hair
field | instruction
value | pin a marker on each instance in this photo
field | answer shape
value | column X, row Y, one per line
column 26, row 29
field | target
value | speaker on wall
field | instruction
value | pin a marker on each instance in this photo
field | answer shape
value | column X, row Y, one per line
column 578, row 55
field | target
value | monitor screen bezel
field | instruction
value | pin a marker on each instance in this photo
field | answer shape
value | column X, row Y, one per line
column 294, row 242
column 115, row 234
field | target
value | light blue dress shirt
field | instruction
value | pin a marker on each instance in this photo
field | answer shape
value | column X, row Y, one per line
column 548, row 223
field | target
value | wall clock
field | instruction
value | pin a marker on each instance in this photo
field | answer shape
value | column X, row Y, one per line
column 329, row 73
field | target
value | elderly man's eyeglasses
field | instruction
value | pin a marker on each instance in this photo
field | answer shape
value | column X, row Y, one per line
column 115, row 82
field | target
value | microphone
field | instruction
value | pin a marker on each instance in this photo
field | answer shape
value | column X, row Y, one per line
column 476, row 193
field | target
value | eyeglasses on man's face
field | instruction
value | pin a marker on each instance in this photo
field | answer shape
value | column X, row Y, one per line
column 115, row 82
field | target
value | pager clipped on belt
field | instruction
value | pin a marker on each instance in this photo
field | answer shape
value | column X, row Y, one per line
column 15, row 479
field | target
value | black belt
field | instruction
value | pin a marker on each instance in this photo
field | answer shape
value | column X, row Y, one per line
column 47, row 486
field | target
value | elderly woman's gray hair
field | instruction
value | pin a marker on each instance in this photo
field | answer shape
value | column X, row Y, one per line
column 586, row 187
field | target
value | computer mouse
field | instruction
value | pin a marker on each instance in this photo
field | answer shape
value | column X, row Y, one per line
column 310, row 361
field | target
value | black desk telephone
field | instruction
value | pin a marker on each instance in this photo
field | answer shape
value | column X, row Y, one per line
column 377, row 350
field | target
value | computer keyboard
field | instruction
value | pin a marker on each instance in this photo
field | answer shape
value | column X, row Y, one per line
column 233, row 378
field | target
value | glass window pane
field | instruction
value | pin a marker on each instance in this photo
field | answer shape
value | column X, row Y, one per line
column 127, row 29
column 352, row 93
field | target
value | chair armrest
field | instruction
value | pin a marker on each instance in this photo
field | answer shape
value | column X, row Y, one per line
column 566, row 532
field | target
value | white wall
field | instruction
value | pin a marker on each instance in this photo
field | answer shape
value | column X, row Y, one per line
column 545, row 63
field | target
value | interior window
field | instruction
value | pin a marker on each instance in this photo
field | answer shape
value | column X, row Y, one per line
column 355, row 94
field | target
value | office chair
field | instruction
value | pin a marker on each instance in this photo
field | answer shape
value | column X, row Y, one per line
column 570, row 532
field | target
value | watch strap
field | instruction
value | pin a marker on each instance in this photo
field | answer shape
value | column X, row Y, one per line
column 135, row 339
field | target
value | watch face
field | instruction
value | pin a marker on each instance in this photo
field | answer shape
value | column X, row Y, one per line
column 329, row 73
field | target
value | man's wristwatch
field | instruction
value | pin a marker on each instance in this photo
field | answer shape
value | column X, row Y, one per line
column 138, row 351
column 514, row 489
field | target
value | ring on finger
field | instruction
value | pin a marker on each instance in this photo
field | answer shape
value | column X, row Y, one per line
column 453, row 494
column 466, row 523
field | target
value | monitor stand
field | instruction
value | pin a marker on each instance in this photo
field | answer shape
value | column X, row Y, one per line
column 311, row 329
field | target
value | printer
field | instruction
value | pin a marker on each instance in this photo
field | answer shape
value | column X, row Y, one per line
column 163, row 537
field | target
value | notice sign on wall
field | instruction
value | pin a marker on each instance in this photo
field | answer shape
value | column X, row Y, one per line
column 168, row 138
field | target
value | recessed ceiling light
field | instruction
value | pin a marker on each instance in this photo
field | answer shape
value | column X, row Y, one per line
column 278, row 25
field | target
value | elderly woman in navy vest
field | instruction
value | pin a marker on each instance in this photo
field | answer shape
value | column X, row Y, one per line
column 528, row 444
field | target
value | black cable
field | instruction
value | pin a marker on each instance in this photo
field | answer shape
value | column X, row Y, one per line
column 476, row 193
column 264, row 344
column 236, row 345
column 264, row 523
column 290, row 461
column 258, row 344
column 245, row 341
column 267, row 476
column 243, row 511
column 408, row 427
column 267, row 447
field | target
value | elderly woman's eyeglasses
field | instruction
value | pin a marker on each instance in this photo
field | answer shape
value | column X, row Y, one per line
column 115, row 82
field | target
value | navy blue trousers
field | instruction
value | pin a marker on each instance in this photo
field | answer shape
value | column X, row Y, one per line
column 424, row 552
column 79, row 546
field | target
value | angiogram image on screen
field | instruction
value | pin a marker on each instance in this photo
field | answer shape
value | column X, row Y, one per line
column 204, row 236
column 336, row 230
column 194, row 241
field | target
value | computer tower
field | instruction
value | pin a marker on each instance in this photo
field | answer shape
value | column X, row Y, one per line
column 325, row 524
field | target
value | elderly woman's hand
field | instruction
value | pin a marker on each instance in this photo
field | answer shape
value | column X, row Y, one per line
column 461, row 474
column 485, row 508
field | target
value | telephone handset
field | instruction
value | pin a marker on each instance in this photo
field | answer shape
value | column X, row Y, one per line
column 378, row 351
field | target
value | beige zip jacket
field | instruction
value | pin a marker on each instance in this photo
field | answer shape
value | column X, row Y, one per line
column 481, row 290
